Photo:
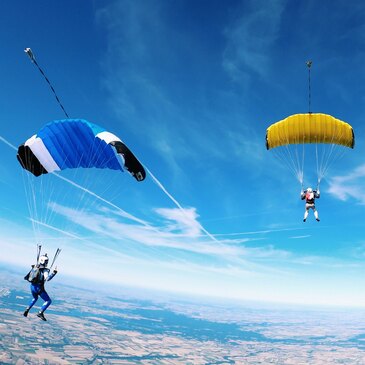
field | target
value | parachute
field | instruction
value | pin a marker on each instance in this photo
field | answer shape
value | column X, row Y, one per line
column 293, row 136
column 74, row 143
column 71, row 167
column 310, row 128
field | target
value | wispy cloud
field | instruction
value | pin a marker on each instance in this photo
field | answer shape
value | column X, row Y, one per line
column 141, row 103
column 349, row 186
column 251, row 38
column 189, row 216
column 186, row 223
column 175, row 231
column 184, row 128
column 170, row 233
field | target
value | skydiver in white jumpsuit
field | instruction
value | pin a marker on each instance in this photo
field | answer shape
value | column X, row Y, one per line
column 310, row 196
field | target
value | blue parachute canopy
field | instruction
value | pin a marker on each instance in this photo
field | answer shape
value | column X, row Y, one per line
column 75, row 143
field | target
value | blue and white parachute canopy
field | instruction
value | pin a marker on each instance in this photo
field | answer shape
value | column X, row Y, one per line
column 74, row 143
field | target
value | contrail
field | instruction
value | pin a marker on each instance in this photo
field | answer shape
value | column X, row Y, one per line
column 158, row 183
column 55, row 229
column 260, row 232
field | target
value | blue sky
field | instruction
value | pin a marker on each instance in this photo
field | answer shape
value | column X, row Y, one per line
column 190, row 87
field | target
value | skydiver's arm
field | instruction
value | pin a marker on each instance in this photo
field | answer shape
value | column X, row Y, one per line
column 302, row 194
column 48, row 276
column 51, row 276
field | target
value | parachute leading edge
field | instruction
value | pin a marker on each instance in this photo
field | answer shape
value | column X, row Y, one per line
column 310, row 128
column 74, row 143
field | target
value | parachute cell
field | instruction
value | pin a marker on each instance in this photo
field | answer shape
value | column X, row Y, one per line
column 310, row 128
column 74, row 143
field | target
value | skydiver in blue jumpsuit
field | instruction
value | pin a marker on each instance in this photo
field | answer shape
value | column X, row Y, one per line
column 37, row 288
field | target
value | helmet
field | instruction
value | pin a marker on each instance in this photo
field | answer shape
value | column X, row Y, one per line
column 309, row 190
column 43, row 260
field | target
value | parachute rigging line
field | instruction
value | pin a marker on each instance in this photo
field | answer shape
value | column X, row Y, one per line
column 29, row 52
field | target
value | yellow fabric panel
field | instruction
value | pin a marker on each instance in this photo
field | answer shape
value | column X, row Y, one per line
column 309, row 128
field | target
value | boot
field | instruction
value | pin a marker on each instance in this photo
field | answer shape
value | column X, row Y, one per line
column 25, row 314
column 41, row 316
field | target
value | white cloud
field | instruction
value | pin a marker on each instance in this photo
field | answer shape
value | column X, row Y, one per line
column 349, row 186
column 184, row 221
column 176, row 231
column 251, row 38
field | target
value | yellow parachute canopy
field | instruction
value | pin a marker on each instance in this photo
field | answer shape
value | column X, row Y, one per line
column 310, row 128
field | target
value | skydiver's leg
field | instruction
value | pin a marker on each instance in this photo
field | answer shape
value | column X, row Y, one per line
column 45, row 305
column 316, row 214
column 305, row 215
column 307, row 206
column 47, row 301
column 34, row 291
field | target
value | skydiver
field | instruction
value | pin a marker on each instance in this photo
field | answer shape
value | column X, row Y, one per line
column 310, row 196
column 37, row 285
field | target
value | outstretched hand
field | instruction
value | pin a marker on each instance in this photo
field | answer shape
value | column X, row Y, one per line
column 55, row 270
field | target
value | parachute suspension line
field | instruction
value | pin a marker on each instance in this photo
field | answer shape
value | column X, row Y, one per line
column 298, row 162
column 286, row 155
column 299, row 158
column 319, row 177
column 300, row 144
column 332, row 153
column 309, row 64
column 289, row 156
column 292, row 153
column 299, row 168
column 30, row 193
column 286, row 158
column 29, row 52
column 302, row 169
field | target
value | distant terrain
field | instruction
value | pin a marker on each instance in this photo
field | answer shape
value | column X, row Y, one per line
column 90, row 327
